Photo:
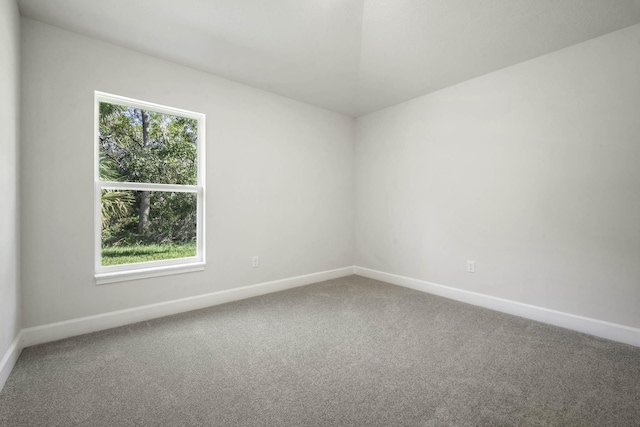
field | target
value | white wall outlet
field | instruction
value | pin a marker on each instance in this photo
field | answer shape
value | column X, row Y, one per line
column 255, row 262
column 471, row 266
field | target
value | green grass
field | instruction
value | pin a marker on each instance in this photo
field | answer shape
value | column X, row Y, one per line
column 131, row 254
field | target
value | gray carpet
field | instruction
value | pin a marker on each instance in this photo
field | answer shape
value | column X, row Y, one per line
column 347, row 352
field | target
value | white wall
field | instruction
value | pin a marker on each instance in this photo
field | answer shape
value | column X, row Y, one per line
column 279, row 177
column 9, row 247
column 532, row 171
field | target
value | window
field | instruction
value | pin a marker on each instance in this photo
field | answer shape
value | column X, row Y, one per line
column 149, row 189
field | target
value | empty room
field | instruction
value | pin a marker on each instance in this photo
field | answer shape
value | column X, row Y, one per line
column 320, row 213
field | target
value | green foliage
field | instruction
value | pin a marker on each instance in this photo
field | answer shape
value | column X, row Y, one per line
column 141, row 253
column 173, row 217
column 115, row 204
column 166, row 154
column 121, row 231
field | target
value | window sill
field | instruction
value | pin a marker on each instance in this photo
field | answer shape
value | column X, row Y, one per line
column 144, row 273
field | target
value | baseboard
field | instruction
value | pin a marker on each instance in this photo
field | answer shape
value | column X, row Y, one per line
column 598, row 328
column 69, row 328
column 10, row 358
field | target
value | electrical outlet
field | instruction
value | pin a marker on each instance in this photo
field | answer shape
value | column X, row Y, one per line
column 471, row 266
column 255, row 262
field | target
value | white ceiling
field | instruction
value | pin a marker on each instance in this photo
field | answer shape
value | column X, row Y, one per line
column 349, row 56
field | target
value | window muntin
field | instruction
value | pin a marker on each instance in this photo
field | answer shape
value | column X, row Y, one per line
column 149, row 186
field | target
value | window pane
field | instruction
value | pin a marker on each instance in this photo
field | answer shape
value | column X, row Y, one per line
column 146, row 146
column 140, row 226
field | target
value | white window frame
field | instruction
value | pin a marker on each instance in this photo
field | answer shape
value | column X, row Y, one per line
column 140, row 270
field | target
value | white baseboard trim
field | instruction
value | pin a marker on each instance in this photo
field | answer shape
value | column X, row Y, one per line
column 10, row 358
column 598, row 328
column 69, row 328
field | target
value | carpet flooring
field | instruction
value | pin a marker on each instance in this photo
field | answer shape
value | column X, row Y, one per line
column 346, row 352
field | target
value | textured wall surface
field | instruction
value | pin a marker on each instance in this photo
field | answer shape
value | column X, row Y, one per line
column 531, row 171
column 279, row 177
column 9, row 106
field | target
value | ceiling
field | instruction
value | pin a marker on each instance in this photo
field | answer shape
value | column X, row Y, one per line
column 349, row 56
